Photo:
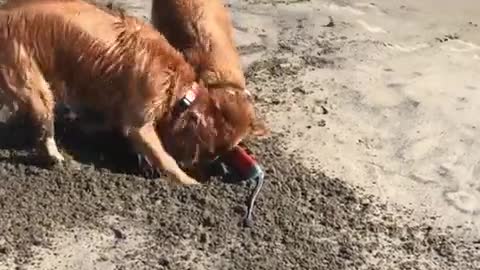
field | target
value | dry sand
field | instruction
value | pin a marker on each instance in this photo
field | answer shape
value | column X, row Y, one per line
column 372, row 164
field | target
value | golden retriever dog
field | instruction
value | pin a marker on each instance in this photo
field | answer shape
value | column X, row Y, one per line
column 202, row 31
column 71, row 51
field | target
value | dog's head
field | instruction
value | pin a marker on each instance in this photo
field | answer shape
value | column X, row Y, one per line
column 208, row 123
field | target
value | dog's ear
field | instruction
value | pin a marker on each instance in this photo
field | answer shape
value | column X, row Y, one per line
column 204, row 128
column 258, row 128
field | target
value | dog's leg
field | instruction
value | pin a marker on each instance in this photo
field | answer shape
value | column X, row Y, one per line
column 40, row 104
column 146, row 142
column 21, row 77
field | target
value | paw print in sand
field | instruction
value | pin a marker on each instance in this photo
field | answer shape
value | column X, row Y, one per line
column 466, row 197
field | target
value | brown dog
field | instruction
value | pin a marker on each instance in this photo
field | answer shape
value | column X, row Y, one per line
column 202, row 30
column 71, row 51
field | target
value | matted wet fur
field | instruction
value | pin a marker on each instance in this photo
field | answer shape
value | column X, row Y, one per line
column 71, row 51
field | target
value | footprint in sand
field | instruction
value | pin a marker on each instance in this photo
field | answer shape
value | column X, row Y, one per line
column 465, row 201
column 349, row 9
column 404, row 48
column 371, row 28
column 462, row 46
column 370, row 6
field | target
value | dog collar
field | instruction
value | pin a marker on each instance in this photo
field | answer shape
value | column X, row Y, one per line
column 189, row 97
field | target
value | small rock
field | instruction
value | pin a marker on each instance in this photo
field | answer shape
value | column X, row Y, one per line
column 164, row 262
column 331, row 23
column 118, row 234
column 4, row 249
column 324, row 110
column 275, row 102
column 103, row 258
column 208, row 219
column 36, row 241
column 204, row 238
column 299, row 89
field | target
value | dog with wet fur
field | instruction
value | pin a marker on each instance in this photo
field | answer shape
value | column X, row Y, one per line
column 202, row 30
column 70, row 51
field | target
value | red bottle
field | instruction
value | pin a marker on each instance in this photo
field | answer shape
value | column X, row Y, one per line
column 243, row 163
column 248, row 168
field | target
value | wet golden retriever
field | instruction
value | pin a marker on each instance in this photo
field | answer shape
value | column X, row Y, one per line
column 202, row 30
column 71, row 51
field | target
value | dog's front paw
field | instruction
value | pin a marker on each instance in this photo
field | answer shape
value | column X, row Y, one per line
column 45, row 159
column 51, row 152
column 187, row 180
column 56, row 158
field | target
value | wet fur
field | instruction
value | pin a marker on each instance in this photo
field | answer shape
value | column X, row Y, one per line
column 203, row 32
column 129, row 73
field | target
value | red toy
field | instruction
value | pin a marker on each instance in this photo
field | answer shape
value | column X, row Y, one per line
column 248, row 168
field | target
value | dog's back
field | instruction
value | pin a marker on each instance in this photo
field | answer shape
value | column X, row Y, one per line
column 91, row 50
column 202, row 30
column 83, row 15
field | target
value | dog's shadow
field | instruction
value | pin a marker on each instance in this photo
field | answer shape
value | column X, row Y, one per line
column 106, row 150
